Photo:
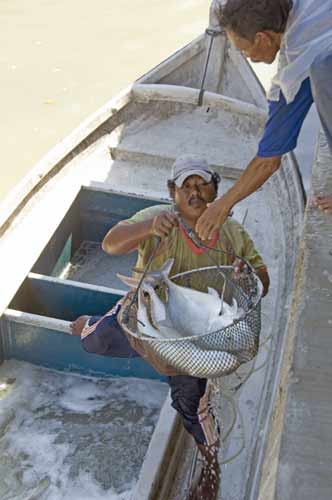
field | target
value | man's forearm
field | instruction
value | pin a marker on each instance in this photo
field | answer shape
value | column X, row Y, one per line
column 255, row 175
column 124, row 238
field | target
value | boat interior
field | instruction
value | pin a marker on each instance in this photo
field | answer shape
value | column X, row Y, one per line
column 117, row 163
column 72, row 277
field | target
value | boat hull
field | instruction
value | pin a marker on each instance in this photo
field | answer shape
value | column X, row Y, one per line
column 114, row 164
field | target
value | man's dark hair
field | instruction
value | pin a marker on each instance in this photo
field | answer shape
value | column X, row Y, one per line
column 247, row 17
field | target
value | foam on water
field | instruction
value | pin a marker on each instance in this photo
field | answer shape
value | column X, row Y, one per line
column 72, row 437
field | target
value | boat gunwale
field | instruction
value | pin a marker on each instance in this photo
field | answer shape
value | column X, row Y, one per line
column 55, row 160
column 145, row 93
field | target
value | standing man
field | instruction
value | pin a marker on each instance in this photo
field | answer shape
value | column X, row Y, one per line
column 301, row 31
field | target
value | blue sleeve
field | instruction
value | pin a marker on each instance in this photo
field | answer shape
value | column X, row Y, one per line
column 284, row 123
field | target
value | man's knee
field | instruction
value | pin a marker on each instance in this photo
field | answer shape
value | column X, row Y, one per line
column 94, row 344
column 186, row 393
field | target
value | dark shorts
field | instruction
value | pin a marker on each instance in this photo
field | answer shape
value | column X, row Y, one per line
column 103, row 335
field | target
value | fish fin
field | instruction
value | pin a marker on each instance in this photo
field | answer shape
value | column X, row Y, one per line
column 128, row 280
column 137, row 270
column 155, row 277
column 213, row 292
column 164, row 270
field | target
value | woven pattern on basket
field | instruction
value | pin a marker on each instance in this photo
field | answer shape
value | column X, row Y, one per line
column 217, row 353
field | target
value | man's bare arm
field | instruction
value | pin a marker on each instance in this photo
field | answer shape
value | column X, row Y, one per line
column 124, row 238
column 254, row 176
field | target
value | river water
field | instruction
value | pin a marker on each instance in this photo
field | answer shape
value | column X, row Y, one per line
column 61, row 60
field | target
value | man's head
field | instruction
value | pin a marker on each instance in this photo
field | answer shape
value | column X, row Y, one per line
column 256, row 26
column 192, row 185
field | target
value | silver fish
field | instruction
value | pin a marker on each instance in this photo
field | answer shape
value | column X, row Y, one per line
column 185, row 313
column 188, row 312
column 145, row 326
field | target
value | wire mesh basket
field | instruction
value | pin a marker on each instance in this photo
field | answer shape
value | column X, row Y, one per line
column 214, row 353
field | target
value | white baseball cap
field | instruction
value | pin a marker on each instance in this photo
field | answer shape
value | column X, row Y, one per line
column 188, row 165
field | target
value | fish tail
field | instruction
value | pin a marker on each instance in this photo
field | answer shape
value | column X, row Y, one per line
column 163, row 272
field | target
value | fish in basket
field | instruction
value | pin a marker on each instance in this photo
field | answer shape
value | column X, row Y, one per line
column 202, row 333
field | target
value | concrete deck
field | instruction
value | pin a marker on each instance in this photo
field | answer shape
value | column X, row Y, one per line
column 298, row 461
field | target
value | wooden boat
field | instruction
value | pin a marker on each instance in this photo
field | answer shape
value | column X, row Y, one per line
column 115, row 163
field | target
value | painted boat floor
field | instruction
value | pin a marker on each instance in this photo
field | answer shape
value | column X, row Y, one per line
column 90, row 264
column 170, row 136
column 73, row 437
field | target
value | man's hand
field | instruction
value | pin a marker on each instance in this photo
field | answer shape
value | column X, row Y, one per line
column 239, row 267
column 212, row 219
column 163, row 224
column 324, row 203
column 252, row 178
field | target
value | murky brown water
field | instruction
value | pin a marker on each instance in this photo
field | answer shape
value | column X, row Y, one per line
column 60, row 60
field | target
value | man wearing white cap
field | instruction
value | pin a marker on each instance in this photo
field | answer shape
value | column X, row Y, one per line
column 192, row 185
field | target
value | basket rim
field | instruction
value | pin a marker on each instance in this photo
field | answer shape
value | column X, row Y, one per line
column 195, row 338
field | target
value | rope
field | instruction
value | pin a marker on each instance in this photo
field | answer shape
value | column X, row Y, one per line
column 194, row 238
column 192, row 235
column 236, row 411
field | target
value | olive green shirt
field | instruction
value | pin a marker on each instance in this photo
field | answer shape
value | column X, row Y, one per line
column 232, row 238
